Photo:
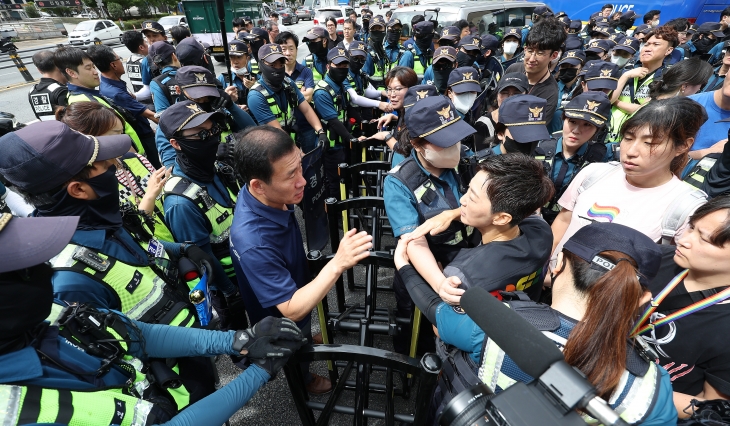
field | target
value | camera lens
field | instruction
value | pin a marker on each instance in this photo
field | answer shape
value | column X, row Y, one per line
column 468, row 408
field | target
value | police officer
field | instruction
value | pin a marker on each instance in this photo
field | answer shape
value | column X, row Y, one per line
column 597, row 50
column 379, row 64
column 511, row 43
column 364, row 34
column 331, row 104
column 468, row 51
column 623, row 53
column 316, row 39
column 276, row 101
column 85, row 365
column 365, row 96
column 523, row 115
column 153, row 32
column 163, row 86
column 256, row 38
column 137, row 66
column 396, row 53
column 569, row 66
column 463, row 89
column 444, row 61
column 50, row 93
column 449, row 36
column 240, row 55
column 489, row 65
column 422, row 47
column 190, row 51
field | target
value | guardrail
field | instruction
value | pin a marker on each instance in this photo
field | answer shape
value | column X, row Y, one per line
column 30, row 29
column 15, row 60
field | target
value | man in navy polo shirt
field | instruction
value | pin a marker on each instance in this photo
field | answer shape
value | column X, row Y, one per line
column 298, row 73
column 266, row 243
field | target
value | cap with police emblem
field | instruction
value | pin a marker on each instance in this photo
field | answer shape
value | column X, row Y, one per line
column 573, row 42
column 513, row 32
column 524, row 116
column 243, row 36
column 393, row 22
column 197, row 82
column 189, row 50
column 314, row 33
column 602, row 75
column 358, row 48
column 464, row 79
column 423, row 28
column 573, row 57
column 160, row 51
column 418, row 92
column 238, row 48
column 247, row 20
column 617, row 38
column 377, row 20
column 450, row 33
column 435, row 119
column 604, row 30
column 629, row 14
column 183, row 115
column 598, row 46
column 489, row 42
column 565, row 20
column 152, row 26
column 271, row 53
column 629, row 44
column 711, row 28
column 593, row 107
column 642, row 29
column 543, row 11
column 337, row 56
column 471, row 42
column 446, row 52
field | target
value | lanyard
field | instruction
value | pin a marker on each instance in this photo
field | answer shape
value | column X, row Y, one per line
column 639, row 328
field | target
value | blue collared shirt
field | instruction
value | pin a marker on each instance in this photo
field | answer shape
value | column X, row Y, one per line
column 572, row 162
column 117, row 91
column 159, row 97
column 268, row 256
column 302, row 76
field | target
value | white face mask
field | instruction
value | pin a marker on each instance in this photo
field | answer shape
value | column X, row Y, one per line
column 447, row 158
column 655, row 23
column 464, row 101
column 618, row 60
column 510, row 47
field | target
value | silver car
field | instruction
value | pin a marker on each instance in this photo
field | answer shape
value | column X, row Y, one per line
column 305, row 12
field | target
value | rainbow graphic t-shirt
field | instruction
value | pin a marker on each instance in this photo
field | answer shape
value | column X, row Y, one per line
column 603, row 212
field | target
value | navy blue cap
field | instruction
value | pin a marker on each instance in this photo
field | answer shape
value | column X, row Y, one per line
column 358, row 48
column 377, row 20
column 593, row 107
column 628, row 44
column 159, row 51
column 44, row 155
column 153, row 26
column 543, row 11
column 189, row 50
column 711, row 28
column 617, row 38
column 517, row 80
column 183, row 115
column 513, row 32
column 642, row 29
column 450, row 33
column 601, row 20
column 464, row 79
column 30, row 241
column 692, row 30
column 418, row 92
column 573, row 42
column 489, row 42
column 591, row 240
column 602, row 75
column 243, row 36
column 435, row 119
column 270, row 53
column 576, row 24
column 393, row 22
column 337, row 55
column 595, row 15
column 598, row 46
column 259, row 32
column 629, row 14
column 197, row 82
column 315, row 33
column 237, row 48
column 565, row 20
column 247, row 20
column 573, row 57
column 423, row 28
column 524, row 116
column 602, row 29
column 445, row 52
column 471, row 42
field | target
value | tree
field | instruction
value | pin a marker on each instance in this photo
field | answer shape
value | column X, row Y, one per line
column 31, row 11
column 115, row 10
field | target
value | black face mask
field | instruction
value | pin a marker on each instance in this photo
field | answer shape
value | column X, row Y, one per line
column 317, row 48
column 441, row 78
column 356, row 65
column 704, row 45
column 511, row 145
column 445, row 42
column 481, row 60
column 393, row 37
column 338, row 75
column 591, row 56
column 567, row 74
column 27, row 296
column 376, row 38
column 273, row 77
column 255, row 46
column 101, row 213
column 464, row 59
column 197, row 156
column 424, row 43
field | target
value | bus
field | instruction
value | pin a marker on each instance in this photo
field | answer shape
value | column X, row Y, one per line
column 697, row 11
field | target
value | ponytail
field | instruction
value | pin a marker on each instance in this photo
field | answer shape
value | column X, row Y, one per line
column 598, row 344
column 61, row 112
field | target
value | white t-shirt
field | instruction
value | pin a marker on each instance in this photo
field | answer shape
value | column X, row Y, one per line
column 613, row 199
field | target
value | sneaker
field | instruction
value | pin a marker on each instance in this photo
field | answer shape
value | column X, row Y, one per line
column 319, row 385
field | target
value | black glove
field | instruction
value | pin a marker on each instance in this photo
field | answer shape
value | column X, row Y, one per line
column 224, row 101
column 273, row 365
column 197, row 255
column 324, row 139
column 270, row 342
column 225, row 153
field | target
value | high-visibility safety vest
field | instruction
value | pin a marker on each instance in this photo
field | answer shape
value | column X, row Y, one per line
column 220, row 217
column 309, row 63
column 633, row 93
column 142, row 292
column 341, row 102
column 418, row 66
column 696, row 176
column 129, row 199
column 128, row 129
column 285, row 118
column 254, row 66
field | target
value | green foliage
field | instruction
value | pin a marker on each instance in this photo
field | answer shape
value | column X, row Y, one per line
column 115, row 10
column 31, row 11
column 60, row 11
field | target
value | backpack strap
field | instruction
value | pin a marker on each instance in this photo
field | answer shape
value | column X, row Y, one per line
column 182, row 187
column 599, row 173
column 679, row 211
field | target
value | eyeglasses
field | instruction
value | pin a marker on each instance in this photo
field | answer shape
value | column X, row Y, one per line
column 216, row 129
column 394, row 90
column 538, row 53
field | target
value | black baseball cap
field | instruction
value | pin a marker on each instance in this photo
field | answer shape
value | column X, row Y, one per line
column 30, row 241
column 260, row 33
column 445, row 52
column 153, row 26
column 543, row 11
column 315, row 33
column 197, row 82
column 183, row 115
column 243, row 36
column 160, row 50
column 337, row 56
column 464, row 79
column 593, row 107
column 377, row 20
column 565, row 20
column 573, row 57
column 418, row 92
column 628, row 44
column 436, row 120
column 524, row 116
column 572, row 42
column 45, row 155
column 489, row 42
column 513, row 32
column 471, row 42
column 236, row 48
column 576, row 24
column 189, row 50
column 247, row 20
column 602, row 75
column 513, row 79
column 591, row 240
column 393, row 22
column 598, row 46
column 711, row 28
column 617, row 38
column 423, row 28
column 450, row 33
column 642, row 29
column 270, row 53
column 629, row 14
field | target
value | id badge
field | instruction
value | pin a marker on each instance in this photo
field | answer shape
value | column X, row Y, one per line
column 155, row 248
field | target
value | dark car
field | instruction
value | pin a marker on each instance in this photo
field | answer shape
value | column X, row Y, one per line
column 287, row 16
column 305, row 12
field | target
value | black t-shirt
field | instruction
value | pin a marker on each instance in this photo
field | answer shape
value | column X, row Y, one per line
column 695, row 348
column 547, row 90
column 499, row 264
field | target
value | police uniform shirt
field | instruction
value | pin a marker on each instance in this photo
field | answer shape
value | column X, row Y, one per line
column 236, row 81
column 395, row 56
column 572, row 163
column 45, row 103
column 693, row 348
column 268, row 256
column 116, row 90
column 323, row 102
column 514, row 264
column 158, row 92
column 146, row 71
column 262, row 113
column 401, row 205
